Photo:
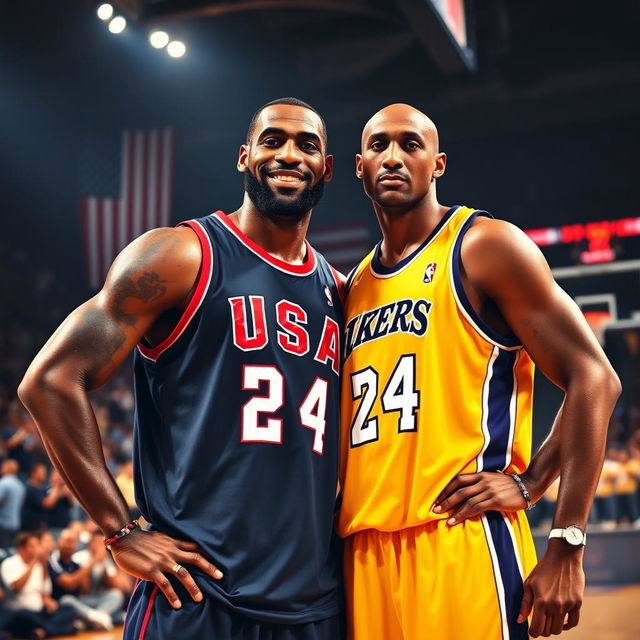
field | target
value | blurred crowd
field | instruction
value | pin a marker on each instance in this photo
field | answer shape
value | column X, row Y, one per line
column 55, row 575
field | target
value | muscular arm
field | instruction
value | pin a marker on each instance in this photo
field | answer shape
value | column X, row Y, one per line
column 501, row 263
column 153, row 274
column 79, row 579
column 156, row 273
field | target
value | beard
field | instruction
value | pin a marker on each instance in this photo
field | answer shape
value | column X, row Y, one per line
column 274, row 205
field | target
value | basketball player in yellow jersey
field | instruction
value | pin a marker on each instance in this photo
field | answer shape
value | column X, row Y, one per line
column 444, row 320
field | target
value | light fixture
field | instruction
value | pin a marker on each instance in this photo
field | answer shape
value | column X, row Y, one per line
column 105, row 11
column 159, row 39
column 176, row 49
column 117, row 25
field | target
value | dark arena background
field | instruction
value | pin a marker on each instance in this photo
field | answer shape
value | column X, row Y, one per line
column 106, row 133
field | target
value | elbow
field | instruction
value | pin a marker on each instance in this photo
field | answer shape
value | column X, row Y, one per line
column 27, row 389
column 615, row 385
column 607, row 383
column 36, row 383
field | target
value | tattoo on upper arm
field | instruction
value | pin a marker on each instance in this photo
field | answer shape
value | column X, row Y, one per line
column 146, row 287
column 139, row 282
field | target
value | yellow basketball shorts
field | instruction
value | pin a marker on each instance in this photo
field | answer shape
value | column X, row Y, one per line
column 439, row 582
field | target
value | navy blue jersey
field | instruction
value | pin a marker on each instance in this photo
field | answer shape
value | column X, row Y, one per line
column 236, row 427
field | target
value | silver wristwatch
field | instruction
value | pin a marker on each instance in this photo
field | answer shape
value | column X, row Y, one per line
column 572, row 534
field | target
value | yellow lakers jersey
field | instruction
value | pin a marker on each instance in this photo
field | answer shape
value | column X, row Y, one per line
column 428, row 389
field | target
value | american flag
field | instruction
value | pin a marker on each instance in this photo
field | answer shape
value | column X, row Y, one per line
column 136, row 202
column 343, row 246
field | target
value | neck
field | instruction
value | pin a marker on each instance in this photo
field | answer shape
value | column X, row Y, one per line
column 405, row 229
column 283, row 237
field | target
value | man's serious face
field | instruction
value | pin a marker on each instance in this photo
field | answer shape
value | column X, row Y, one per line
column 285, row 162
column 399, row 157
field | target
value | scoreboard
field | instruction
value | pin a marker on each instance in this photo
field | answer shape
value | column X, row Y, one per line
column 590, row 243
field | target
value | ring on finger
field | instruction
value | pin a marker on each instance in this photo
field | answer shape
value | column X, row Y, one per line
column 177, row 567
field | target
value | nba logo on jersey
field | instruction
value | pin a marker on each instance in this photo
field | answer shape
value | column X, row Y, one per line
column 429, row 272
column 327, row 292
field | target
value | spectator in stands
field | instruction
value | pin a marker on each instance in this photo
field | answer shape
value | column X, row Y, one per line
column 59, row 514
column 72, row 583
column 605, row 500
column 105, row 577
column 12, row 493
column 38, row 500
column 26, row 575
column 626, row 485
column 18, row 435
column 634, row 468
column 18, row 622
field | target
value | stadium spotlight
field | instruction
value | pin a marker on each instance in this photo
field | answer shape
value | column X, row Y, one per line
column 176, row 49
column 105, row 11
column 159, row 39
column 117, row 25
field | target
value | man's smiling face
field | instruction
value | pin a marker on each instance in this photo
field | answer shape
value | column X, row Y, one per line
column 285, row 162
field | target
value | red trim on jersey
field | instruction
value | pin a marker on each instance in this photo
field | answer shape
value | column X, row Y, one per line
column 340, row 282
column 147, row 614
column 196, row 300
column 304, row 269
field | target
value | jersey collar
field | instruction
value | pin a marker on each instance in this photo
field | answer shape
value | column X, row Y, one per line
column 304, row 269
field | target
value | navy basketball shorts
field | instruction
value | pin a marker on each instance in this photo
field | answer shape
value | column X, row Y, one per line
column 150, row 617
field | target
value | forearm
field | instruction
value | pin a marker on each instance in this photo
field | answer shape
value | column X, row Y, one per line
column 63, row 414
column 77, row 580
column 15, row 439
column 50, row 501
column 545, row 464
column 583, row 430
column 22, row 580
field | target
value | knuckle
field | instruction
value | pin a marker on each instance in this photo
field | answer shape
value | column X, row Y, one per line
column 163, row 583
column 196, row 557
column 193, row 589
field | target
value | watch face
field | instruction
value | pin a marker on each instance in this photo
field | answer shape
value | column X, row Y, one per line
column 573, row 535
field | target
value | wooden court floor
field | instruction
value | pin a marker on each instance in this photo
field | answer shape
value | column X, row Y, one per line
column 607, row 614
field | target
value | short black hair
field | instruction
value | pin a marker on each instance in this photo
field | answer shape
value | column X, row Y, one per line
column 22, row 537
column 296, row 102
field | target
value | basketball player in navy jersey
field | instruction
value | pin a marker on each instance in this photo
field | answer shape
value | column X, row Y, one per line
column 234, row 321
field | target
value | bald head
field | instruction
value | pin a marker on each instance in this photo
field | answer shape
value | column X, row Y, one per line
column 400, row 158
column 405, row 116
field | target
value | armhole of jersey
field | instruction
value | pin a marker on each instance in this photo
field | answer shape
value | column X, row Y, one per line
column 202, row 285
column 354, row 272
column 464, row 305
column 339, row 283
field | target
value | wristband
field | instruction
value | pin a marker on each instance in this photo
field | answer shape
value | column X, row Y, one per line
column 523, row 490
column 126, row 530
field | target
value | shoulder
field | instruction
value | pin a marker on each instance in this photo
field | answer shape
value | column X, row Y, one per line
column 11, row 564
column 496, row 251
column 157, row 270
column 487, row 235
column 166, row 249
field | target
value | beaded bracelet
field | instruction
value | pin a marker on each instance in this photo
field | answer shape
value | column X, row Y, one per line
column 126, row 530
column 523, row 490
